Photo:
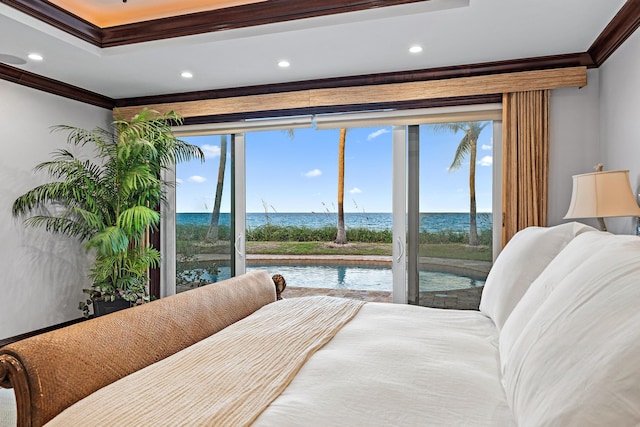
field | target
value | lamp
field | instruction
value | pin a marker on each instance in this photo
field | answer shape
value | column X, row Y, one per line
column 602, row 194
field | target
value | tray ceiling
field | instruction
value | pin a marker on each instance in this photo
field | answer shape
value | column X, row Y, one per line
column 107, row 13
column 452, row 34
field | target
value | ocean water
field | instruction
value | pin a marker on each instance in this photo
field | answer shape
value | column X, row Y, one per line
column 429, row 222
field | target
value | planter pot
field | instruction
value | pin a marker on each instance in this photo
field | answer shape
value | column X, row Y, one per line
column 101, row 307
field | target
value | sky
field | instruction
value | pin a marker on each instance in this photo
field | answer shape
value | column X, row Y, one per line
column 299, row 173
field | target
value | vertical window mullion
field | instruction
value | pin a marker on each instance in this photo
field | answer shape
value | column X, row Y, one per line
column 413, row 215
column 239, row 204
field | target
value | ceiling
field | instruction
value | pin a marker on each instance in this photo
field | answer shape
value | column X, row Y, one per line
column 107, row 13
column 374, row 40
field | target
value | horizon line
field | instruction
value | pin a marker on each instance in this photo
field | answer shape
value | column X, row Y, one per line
column 335, row 213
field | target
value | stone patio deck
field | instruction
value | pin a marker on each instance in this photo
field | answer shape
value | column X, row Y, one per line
column 463, row 299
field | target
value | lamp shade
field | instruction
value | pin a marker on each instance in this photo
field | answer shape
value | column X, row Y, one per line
column 602, row 194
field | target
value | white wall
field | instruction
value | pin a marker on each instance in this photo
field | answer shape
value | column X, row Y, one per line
column 41, row 275
column 597, row 124
column 619, row 118
column 574, row 142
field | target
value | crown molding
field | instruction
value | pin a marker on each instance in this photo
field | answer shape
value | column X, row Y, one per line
column 269, row 12
column 58, row 18
column 626, row 21
column 55, row 87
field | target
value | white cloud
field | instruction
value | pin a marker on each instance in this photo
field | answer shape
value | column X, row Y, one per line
column 355, row 190
column 486, row 161
column 486, row 147
column 377, row 134
column 179, row 181
column 197, row 179
column 211, row 150
column 313, row 173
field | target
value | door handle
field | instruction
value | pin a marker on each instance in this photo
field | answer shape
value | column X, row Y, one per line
column 400, row 249
column 236, row 246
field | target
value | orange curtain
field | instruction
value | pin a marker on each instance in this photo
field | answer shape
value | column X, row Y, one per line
column 525, row 157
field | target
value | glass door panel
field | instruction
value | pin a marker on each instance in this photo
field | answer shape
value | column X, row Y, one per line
column 400, row 250
column 294, row 207
column 453, row 218
column 204, row 222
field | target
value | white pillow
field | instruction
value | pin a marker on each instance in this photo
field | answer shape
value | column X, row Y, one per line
column 525, row 256
column 577, row 252
column 577, row 360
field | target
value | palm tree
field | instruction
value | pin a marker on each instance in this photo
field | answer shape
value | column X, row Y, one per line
column 341, row 237
column 212, row 233
column 467, row 145
column 110, row 202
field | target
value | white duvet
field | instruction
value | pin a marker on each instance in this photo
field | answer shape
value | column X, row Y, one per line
column 302, row 362
column 399, row 365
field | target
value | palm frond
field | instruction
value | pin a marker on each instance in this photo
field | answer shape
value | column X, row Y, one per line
column 144, row 258
column 471, row 131
column 109, row 241
column 135, row 220
column 454, row 127
column 464, row 148
column 99, row 138
column 138, row 177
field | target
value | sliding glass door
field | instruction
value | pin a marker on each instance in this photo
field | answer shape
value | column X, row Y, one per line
column 450, row 212
column 399, row 250
column 319, row 209
column 274, row 194
column 201, row 242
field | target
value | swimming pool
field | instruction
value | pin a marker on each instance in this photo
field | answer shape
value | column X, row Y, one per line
column 356, row 277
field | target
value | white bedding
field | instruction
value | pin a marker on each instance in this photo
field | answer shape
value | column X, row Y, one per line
column 390, row 365
column 398, row 365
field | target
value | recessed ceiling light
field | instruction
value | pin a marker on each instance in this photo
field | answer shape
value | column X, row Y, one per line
column 35, row 57
column 284, row 64
column 187, row 75
column 415, row 49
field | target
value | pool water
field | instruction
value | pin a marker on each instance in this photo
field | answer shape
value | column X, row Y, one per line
column 356, row 277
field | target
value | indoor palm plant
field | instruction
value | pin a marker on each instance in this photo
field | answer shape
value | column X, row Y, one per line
column 110, row 201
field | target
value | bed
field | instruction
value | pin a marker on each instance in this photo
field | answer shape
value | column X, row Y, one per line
column 556, row 342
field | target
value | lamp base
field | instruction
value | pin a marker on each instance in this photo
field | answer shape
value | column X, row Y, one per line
column 603, row 226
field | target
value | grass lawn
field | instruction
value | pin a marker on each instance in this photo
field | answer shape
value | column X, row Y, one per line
column 435, row 250
column 317, row 248
column 277, row 240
